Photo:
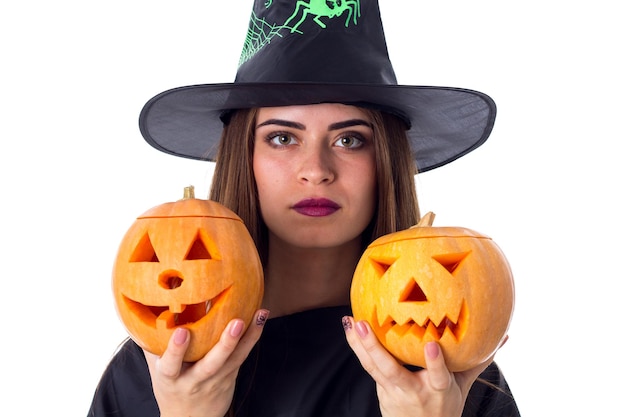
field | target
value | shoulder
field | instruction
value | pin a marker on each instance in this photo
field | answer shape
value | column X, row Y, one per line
column 125, row 388
column 490, row 396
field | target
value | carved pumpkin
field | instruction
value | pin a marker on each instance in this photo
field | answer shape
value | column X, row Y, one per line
column 189, row 263
column 446, row 284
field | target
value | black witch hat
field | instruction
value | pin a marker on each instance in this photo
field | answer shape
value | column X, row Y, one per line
column 319, row 51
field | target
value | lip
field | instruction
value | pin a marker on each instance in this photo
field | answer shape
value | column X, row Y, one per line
column 316, row 207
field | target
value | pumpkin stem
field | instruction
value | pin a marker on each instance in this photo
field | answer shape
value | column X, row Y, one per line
column 426, row 220
column 188, row 193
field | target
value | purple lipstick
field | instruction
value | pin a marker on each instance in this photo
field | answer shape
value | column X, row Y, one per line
column 316, row 207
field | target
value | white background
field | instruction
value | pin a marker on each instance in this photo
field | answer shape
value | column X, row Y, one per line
column 547, row 186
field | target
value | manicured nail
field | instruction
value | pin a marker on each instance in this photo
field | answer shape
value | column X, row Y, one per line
column 361, row 329
column 432, row 350
column 261, row 318
column 180, row 335
column 236, row 328
column 346, row 323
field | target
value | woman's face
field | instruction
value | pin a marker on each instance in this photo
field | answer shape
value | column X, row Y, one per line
column 315, row 172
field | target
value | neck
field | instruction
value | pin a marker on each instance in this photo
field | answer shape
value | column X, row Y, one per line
column 299, row 279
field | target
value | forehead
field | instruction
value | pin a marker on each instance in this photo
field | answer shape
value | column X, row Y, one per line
column 325, row 111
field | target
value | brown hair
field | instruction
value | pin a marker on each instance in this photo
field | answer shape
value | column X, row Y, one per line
column 397, row 208
column 234, row 185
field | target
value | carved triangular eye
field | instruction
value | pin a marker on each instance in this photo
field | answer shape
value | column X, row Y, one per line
column 198, row 250
column 381, row 264
column 451, row 261
column 413, row 292
column 144, row 251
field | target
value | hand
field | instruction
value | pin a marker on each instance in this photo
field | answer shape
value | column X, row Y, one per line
column 433, row 392
column 206, row 387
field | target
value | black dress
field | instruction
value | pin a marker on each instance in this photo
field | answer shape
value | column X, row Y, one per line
column 301, row 367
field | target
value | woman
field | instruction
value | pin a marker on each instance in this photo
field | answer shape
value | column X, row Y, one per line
column 317, row 165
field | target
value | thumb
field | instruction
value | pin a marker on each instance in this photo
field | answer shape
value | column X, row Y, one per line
column 170, row 364
column 438, row 375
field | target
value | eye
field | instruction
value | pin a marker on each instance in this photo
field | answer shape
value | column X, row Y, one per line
column 280, row 139
column 351, row 141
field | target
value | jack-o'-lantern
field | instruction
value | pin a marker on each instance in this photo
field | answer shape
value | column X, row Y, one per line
column 189, row 263
column 450, row 285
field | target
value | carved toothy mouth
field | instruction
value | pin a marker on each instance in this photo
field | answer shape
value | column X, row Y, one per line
column 455, row 328
column 172, row 316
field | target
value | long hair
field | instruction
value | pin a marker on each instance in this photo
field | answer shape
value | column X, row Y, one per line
column 397, row 207
column 234, row 185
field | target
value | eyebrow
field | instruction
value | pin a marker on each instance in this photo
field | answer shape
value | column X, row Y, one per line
column 349, row 123
column 280, row 122
column 300, row 126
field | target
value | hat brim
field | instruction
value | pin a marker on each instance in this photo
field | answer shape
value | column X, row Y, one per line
column 446, row 123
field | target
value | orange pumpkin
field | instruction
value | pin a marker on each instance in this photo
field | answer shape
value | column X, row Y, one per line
column 189, row 263
column 450, row 285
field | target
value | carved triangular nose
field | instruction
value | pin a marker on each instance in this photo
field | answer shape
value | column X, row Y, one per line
column 413, row 293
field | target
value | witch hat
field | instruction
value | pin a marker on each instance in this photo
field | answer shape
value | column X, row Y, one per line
column 319, row 51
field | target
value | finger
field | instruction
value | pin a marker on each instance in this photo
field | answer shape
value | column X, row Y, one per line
column 504, row 340
column 439, row 377
column 170, row 363
column 233, row 346
column 356, row 344
column 250, row 337
column 374, row 358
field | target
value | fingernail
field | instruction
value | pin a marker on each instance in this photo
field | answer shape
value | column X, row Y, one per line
column 261, row 318
column 236, row 328
column 346, row 323
column 432, row 350
column 361, row 329
column 180, row 335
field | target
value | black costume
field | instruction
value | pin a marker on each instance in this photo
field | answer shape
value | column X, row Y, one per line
column 297, row 53
column 301, row 367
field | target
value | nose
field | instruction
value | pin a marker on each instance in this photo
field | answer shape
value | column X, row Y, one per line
column 316, row 167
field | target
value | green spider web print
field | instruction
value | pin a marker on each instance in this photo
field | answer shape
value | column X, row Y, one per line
column 260, row 33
